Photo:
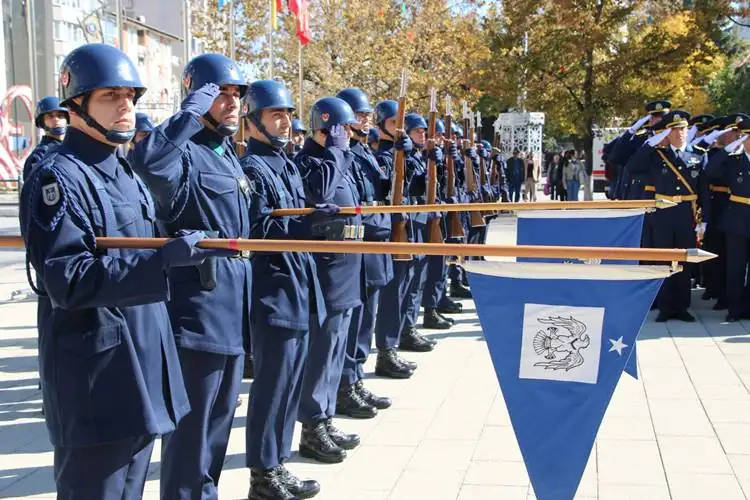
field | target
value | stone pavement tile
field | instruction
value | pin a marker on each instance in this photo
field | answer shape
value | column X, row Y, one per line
column 457, row 426
column 633, row 492
column 498, row 443
column 629, row 462
column 498, row 413
column 713, row 373
column 672, row 383
column 497, row 473
column 375, row 467
column 38, row 480
column 442, row 455
column 626, row 428
column 340, row 493
column 699, row 486
column 395, row 415
column 397, row 434
column 658, row 353
column 423, row 484
column 734, row 437
column 728, row 411
column 679, row 417
column 699, row 455
column 741, row 467
column 733, row 392
column 484, row 492
column 629, row 400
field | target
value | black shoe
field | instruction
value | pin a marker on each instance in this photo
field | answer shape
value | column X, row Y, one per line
column 411, row 365
column 731, row 318
column 684, row 316
column 433, row 321
column 379, row 402
column 412, row 341
column 721, row 305
column 449, row 306
column 317, row 445
column 447, row 318
column 350, row 403
column 341, row 438
column 307, row 488
column 388, row 365
column 459, row 291
column 248, row 370
column 267, row 484
column 663, row 317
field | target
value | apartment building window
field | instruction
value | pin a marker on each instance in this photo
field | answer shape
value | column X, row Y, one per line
column 67, row 3
column 67, row 32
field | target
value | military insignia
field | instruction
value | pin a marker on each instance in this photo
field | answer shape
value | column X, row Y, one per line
column 694, row 174
column 739, row 179
column 187, row 80
column 244, row 186
column 659, row 106
column 64, row 78
column 325, row 116
column 51, row 194
column 738, row 119
column 664, row 171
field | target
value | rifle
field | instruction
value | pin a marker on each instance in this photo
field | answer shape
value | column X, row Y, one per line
column 398, row 229
column 494, row 172
column 484, row 189
column 434, row 232
column 455, row 228
column 471, row 182
column 240, row 146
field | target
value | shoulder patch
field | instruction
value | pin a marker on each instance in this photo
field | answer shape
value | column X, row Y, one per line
column 51, row 194
column 47, row 201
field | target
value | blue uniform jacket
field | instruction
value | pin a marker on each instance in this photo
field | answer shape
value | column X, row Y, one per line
column 733, row 171
column 373, row 184
column 107, row 357
column 197, row 183
column 286, row 289
column 37, row 155
column 327, row 177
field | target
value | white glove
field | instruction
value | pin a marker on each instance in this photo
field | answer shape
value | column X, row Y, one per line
column 711, row 138
column 691, row 134
column 736, row 145
column 637, row 125
column 700, row 228
column 656, row 139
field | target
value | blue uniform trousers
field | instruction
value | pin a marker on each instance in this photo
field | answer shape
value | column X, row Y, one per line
column 325, row 362
column 193, row 455
column 359, row 339
column 674, row 296
column 716, row 278
column 115, row 471
column 279, row 356
column 434, row 285
column 390, row 317
column 414, row 290
column 738, row 286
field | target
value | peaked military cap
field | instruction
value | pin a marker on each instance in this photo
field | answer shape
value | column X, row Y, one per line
column 731, row 122
column 658, row 107
column 673, row 119
column 700, row 120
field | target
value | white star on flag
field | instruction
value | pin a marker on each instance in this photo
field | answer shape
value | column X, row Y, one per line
column 617, row 345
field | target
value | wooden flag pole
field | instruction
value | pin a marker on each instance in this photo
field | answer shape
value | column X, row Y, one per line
column 472, row 207
column 446, row 249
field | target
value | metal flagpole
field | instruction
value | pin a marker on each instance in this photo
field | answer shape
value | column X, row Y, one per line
column 32, row 63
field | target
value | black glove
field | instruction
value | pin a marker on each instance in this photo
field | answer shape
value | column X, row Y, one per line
column 453, row 151
column 200, row 101
column 436, row 154
column 326, row 209
column 182, row 251
column 404, row 144
column 483, row 153
column 471, row 153
column 337, row 137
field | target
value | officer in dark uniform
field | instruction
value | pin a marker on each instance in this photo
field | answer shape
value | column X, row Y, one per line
column 730, row 166
column 674, row 172
column 390, row 317
column 298, row 135
column 286, row 295
column 189, row 164
column 354, row 400
column 109, row 364
column 53, row 119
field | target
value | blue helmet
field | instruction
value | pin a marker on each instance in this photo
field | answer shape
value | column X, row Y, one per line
column 356, row 99
column 212, row 68
column 372, row 135
column 486, row 145
column 414, row 120
column 47, row 105
column 459, row 131
column 143, row 123
column 297, row 127
column 97, row 66
column 439, row 126
column 385, row 110
column 330, row 111
column 267, row 94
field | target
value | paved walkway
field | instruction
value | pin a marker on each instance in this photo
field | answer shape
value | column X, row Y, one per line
column 682, row 431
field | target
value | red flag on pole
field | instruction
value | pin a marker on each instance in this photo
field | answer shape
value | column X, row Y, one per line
column 299, row 9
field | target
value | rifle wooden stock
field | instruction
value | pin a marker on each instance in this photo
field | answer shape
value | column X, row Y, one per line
column 434, row 231
column 455, row 228
column 368, row 247
column 398, row 229
column 471, row 184
column 240, row 146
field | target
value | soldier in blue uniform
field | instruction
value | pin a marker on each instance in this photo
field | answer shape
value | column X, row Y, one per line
column 190, row 167
column 390, row 316
column 730, row 166
column 53, row 119
column 354, row 400
column 459, row 282
column 286, row 295
column 674, row 172
column 109, row 363
column 298, row 135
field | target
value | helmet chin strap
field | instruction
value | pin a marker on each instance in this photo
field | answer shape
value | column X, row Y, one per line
column 276, row 141
column 358, row 132
column 55, row 131
column 221, row 128
column 112, row 135
column 385, row 132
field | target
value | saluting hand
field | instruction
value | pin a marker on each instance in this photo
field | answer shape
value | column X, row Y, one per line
column 337, row 137
column 200, row 101
column 657, row 138
column 736, row 145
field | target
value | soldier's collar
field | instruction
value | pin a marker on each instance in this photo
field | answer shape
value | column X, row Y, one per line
column 92, row 152
column 211, row 139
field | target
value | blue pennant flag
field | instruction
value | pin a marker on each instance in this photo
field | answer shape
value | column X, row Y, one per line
column 584, row 228
column 559, row 336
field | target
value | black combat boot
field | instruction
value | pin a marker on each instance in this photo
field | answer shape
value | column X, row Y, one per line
column 350, row 403
column 299, row 488
column 248, row 370
column 411, row 340
column 341, row 438
column 388, row 365
column 317, row 445
column 459, row 291
column 434, row 321
column 379, row 402
column 448, row 306
column 267, row 484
